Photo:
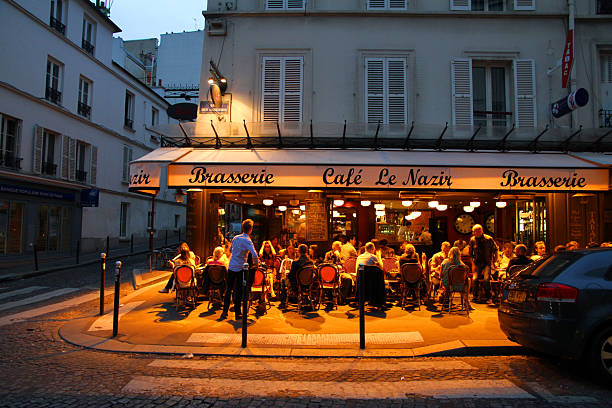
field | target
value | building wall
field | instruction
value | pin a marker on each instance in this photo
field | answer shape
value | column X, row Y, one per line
column 179, row 58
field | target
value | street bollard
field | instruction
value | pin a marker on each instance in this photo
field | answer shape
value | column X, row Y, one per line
column 116, row 304
column 102, row 279
column 35, row 257
column 245, row 302
column 361, row 286
column 78, row 250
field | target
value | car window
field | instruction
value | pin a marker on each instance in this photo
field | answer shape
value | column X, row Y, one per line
column 552, row 266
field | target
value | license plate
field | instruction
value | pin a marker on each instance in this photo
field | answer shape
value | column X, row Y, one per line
column 517, row 296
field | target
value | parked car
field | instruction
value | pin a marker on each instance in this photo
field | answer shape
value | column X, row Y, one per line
column 562, row 305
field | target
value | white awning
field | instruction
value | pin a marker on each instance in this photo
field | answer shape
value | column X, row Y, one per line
column 367, row 169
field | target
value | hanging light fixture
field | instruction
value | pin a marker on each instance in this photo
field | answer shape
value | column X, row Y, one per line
column 468, row 208
column 282, row 208
column 380, row 213
column 433, row 204
column 406, row 203
column 221, row 211
column 295, row 211
column 475, row 204
column 413, row 215
column 303, row 217
column 501, row 204
column 335, row 214
column 441, row 207
column 366, row 203
column 303, row 207
column 268, row 202
column 379, row 206
column 293, row 202
column 339, row 202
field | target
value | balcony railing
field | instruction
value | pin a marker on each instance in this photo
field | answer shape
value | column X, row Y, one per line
column 87, row 46
column 53, row 95
column 9, row 160
column 604, row 7
column 81, row 176
column 129, row 123
column 488, row 118
column 605, row 118
column 49, row 168
column 84, row 110
column 58, row 26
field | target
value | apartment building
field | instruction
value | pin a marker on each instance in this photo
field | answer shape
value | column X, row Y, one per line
column 72, row 120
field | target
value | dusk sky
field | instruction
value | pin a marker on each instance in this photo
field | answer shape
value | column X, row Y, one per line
column 149, row 18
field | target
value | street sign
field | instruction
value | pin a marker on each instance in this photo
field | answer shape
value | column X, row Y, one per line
column 568, row 58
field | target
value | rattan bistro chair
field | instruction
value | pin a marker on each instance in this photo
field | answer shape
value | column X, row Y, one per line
column 217, row 284
column 457, row 283
column 329, row 278
column 185, row 285
column 411, row 279
column 308, row 287
column 260, row 286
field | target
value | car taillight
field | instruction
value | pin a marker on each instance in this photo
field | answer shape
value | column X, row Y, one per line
column 556, row 292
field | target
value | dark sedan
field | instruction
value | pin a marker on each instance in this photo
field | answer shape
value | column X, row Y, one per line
column 563, row 306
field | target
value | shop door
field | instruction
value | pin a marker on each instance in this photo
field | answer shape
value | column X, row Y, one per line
column 11, row 227
column 51, row 224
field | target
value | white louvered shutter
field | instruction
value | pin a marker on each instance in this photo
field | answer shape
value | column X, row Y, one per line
column 376, row 4
column 375, row 90
column 93, row 174
column 284, row 4
column 72, row 160
column 461, row 78
column 271, row 89
column 524, row 5
column 386, row 4
column 460, row 4
column 525, row 93
column 397, row 4
column 295, row 4
column 292, row 95
column 65, row 171
column 396, row 90
column 274, row 4
column 37, row 146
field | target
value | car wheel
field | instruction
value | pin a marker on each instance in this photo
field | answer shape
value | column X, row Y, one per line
column 600, row 356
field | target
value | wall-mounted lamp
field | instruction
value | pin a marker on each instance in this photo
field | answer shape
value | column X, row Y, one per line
column 179, row 195
column 218, row 85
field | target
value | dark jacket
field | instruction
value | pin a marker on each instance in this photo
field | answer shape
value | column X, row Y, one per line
column 482, row 250
column 302, row 261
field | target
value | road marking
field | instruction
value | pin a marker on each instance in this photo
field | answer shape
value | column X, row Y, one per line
column 560, row 399
column 38, row 298
column 231, row 388
column 21, row 291
column 306, row 365
column 106, row 322
column 295, row 339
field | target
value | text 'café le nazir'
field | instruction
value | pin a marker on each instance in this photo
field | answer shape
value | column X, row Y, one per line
column 314, row 195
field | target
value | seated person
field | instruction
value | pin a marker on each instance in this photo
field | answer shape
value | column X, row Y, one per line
column 291, row 282
column 333, row 256
column 385, row 251
column 435, row 263
column 540, row 251
column 410, row 256
column 504, row 258
column 217, row 259
column 520, row 258
column 313, row 254
column 184, row 257
column 227, row 253
column 369, row 257
column 454, row 259
column 267, row 256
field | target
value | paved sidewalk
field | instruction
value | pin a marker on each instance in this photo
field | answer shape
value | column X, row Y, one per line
column 150, row 323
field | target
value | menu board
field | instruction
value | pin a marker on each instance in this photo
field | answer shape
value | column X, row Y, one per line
column 316, row 220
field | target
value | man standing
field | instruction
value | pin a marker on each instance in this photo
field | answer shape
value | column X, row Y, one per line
column 483, row 251
column 241, row 247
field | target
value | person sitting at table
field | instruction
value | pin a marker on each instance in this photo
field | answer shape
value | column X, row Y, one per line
column 217, row 259
column 333, row 256
column 539, row 251
column 275, row 245
column 347, row 250
column 435, row 263
column 410, row 256
column 313, row 254
column 227, row 253
column 267, row 256
column 184, row 257
column 369, row 257
column 289, row 252
column 454, row 259
column 519, row 260
column 504, row 257
column 291, row 282
column 385, row 250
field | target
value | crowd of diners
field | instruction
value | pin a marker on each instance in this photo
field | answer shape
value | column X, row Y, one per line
column 490, row 262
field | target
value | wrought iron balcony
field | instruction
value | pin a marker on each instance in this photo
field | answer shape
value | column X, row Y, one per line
column 49, row 168
column 8, row 159
column 58, row 26
column 81, row 176
column 87, row 46
column 604, row 6
column 129, row 123
column 605, row 118
column 53, row 95
column 84, row 110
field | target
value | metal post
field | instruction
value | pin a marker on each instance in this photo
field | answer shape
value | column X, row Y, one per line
column 152, row 234
column 35, row 257
column 166, row 240
column 245, row 274
column 116, row 304
column 360, row 284
column 78, row 250
column 179, row 240
column 131, row 244
column 102, row 280
column 108, row 246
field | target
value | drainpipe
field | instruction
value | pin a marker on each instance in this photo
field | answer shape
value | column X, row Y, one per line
column 571, row 5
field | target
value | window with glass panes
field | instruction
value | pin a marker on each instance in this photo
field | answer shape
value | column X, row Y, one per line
column 490, row 83
column 49, row 167
column 123, row 218
column 84, row 105
column 129, row 110
column 53, row 81
column 81, row 162
column 87, row 40
column 9, row 141
column 488, row 5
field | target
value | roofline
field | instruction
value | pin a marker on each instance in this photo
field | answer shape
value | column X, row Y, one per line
column 104, row 17
column 128, row 73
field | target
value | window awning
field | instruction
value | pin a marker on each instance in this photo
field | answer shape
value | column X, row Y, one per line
column 366, row 169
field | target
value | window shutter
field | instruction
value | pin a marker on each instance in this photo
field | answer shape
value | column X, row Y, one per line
column 460, row 4
column 17, row 151
column 37, row 154
column 271, row 89
column 524, row 4
column 274, row 4
column 375, row 90
column 65, row 157
column 461, row 73
column 376, row 4
column 93, row 174
column 72, row 160
column 295, row 4
column 397, row 4
column 525, row 93
column 292, row 98
column 396, row 91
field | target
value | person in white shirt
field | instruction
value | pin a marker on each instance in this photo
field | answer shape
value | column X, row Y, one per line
column 369, row 258
column 347, row 250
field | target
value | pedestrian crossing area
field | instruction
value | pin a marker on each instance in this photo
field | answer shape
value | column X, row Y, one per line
column 357, row 379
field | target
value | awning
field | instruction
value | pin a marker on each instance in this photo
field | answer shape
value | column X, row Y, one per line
column 366, row 169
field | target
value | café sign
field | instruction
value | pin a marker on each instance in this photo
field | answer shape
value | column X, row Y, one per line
column 382, row 177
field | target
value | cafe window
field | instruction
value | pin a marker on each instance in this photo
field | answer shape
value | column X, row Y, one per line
column 11, row 227
column 123, row 220
column 531, row 221
column 282, row 84
column 10, row 137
